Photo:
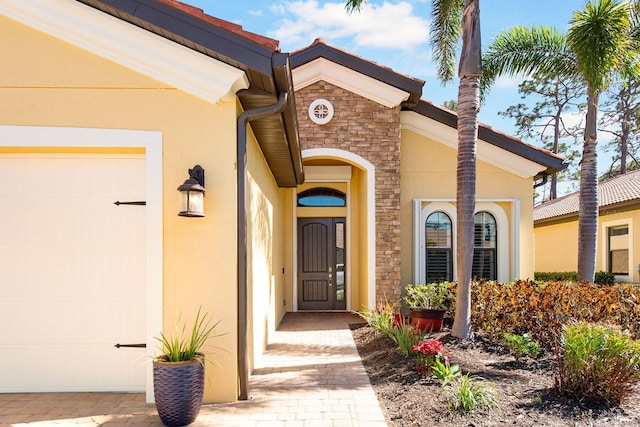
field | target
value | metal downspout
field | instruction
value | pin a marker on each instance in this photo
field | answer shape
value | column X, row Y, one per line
column 543, row 182
column 243, row 120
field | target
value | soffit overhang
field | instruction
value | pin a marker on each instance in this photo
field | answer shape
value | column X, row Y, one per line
column 183, row 51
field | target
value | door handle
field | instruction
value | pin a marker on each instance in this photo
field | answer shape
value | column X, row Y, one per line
column 330, row 277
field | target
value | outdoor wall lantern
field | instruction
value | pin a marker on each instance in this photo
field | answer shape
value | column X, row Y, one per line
column 192, row 194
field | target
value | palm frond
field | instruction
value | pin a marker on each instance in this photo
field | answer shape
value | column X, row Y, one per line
column 445, row 37
column 599, row 35
column 528, row 51
column 354, row 6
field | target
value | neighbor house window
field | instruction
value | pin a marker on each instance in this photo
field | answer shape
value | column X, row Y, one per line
column 484, row 247
column 439, row 253
column 322, row 197
column 618, row 250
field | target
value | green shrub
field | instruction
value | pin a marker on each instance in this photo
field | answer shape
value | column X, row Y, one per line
column 522, row 345
column 468, row 393
column 556, row 276
column 604, row 278
column 596, row 362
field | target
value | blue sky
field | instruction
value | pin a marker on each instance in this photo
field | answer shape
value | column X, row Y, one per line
column 393, row 33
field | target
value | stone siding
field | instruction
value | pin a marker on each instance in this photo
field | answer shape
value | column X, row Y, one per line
column 371, row 131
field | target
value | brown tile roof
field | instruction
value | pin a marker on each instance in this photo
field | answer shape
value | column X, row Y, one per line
column 229, row 26
column 621, row 189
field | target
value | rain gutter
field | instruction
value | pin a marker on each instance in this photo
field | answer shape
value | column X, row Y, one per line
column 243, row 120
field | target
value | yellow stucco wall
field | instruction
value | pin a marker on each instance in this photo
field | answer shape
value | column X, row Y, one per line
column 46, row 82
column 428, row 171
column 266, row 243
column 555, row 239
column 556, row 243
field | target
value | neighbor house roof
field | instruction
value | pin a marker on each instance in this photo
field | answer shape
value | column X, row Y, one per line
column 267, row 69
column 621, row 190
column 320, row 49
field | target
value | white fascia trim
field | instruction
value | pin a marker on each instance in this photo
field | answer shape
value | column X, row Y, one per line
column 370, row 172
column 151, row 141
column 130, row 46
column 487, row 152
column 323, row 69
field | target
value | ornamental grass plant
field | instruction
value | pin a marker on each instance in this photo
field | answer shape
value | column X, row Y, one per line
column 184, row 345
column 396, row 326
column 597, row 362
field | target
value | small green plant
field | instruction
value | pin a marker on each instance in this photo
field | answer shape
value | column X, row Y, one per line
column 404, row 334
column 443, row 371
column 522, row 345
column 597, row 362
column 433, row 295
column 468, row 393
column 181, row 346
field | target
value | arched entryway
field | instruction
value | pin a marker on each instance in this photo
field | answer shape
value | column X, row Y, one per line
column 334, row 233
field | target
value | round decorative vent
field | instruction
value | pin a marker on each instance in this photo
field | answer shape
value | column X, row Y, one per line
column 321, row 111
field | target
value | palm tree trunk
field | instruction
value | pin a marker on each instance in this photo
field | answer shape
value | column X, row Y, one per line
column 588, row 215
column 468, row 106
column 470, row 73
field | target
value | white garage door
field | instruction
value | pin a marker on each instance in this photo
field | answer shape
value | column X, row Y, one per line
column 72, row 273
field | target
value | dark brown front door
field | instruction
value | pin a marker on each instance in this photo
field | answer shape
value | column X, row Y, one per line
column 321, row 264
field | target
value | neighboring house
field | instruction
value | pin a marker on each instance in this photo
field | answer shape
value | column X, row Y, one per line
column 556, row 230
column 329, row 185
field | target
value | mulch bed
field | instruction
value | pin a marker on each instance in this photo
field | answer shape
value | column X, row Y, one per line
column 525, row 388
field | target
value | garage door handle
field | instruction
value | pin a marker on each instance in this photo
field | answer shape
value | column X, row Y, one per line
column 130, row 345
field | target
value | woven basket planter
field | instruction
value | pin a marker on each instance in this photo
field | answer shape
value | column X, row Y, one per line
column 178, row 388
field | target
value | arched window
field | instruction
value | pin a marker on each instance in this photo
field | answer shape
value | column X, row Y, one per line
column 484, row 247
column 439, row 253
column 322, row 197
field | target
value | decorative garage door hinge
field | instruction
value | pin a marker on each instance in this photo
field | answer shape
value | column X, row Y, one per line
column 130, row 345
column 118, row 203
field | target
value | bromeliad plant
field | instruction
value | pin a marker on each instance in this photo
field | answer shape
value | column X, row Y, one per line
column 181, row 346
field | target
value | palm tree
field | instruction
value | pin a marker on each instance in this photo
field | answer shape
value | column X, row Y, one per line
column 452, row 19
column 598, row 45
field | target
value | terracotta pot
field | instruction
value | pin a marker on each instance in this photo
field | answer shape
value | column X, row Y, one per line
column 178, row 388
column 427, row 319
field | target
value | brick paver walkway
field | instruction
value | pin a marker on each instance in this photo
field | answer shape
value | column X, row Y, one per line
column 311, row 375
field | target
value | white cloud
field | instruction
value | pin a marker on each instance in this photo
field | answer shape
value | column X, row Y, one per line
column 508, row 81
column 387, row 25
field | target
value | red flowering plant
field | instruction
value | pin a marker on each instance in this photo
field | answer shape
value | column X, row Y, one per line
column 428, row 352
